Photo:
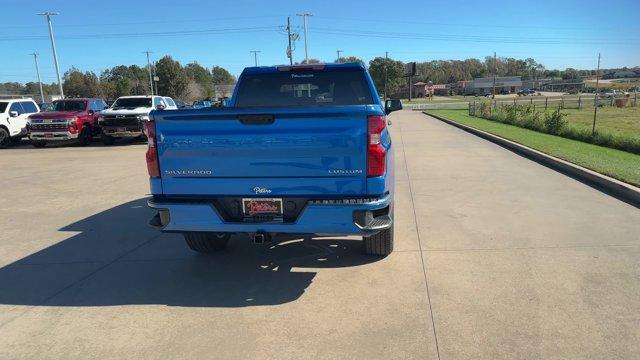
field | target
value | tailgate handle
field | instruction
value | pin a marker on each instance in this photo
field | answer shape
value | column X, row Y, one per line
column 256, row 119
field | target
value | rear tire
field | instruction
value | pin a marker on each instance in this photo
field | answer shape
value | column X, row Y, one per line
column 380, row 244
column 38, row 144
column 107, row 140
column 207, row 242
column 5, row 138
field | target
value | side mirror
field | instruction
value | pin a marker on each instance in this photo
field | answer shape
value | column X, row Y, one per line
column 392, row 105
column 91, row 112
column 13, row 113
column 160, row 107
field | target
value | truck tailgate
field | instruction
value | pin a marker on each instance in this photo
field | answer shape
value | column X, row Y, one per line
column 262, row 151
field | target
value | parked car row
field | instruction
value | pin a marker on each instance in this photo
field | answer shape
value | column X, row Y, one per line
column 78, row 120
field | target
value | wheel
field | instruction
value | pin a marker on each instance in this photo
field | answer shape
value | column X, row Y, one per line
column 380, row 244
column 107, row 140
column 5, row 139
column 207, row 242
column 85, row 136
column 38, row 144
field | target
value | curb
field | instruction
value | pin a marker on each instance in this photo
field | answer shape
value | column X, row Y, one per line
column 616, row 188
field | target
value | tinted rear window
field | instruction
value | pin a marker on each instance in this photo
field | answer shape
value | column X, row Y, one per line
column 3, row 106
column 312, row 88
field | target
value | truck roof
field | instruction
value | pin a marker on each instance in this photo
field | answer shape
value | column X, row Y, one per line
column 303, row 67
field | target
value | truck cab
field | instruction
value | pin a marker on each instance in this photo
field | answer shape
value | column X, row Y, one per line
column 74, row 120
column 298, row 150
column 127, row 115
column 14, row 114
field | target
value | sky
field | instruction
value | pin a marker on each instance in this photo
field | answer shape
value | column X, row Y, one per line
column 93, row 36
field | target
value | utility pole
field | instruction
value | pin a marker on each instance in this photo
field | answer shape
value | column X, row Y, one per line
column 155, row 77
column 386, row 59
column 338, row 52
column 306, row 53
column 255, row 56
column 495, row 71
column 53, row 48
column 595, row 100
column 35, row 57
column 289, row 49
column 150, row 75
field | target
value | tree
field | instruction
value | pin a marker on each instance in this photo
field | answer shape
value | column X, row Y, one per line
column 200, row 81
column 221, row 76
column 350, row 59
column 394, row 71
column 78, row 84
column 570, row 73
column 173, row 79
column 125, row 80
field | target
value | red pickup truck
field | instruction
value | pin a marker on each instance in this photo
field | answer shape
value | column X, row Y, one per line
column 69, row 119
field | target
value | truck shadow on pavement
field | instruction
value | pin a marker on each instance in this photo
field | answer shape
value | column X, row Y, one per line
column 116, row 259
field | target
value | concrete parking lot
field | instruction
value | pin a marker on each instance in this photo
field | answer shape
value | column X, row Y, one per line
column 496, row 257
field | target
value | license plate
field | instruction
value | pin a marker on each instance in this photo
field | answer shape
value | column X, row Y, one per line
column 252, row 207
column 121, row 130
column 48, row 135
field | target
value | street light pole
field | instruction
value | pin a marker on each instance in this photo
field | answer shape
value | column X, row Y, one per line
column 53, row 47
column 150, row 75
column 338, row 52
column 255, row 56
column 35, row 58
column 306, row 53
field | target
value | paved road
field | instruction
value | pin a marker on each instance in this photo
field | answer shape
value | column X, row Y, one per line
column 496, row 257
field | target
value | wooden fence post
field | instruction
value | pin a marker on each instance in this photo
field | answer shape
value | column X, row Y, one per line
column 562, row 102
column 531, row 102
column 514, row 101
column 546, row 101
column 579, row 102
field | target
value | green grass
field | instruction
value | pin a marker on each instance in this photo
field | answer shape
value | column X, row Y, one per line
column 618, row 164
column 613, row 120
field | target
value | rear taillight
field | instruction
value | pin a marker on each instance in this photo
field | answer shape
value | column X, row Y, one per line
column 376, row 153
column 152, row 151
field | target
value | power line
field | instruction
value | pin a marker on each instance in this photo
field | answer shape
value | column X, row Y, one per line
column 149, row 34
column 471, row 38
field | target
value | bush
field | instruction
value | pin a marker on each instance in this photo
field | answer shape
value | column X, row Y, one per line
column 526, row 116
column 554, row 122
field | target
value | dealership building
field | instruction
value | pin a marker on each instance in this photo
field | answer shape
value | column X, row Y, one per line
column 484, row 86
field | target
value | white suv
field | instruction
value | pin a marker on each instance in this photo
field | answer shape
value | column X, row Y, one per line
column 13, row 119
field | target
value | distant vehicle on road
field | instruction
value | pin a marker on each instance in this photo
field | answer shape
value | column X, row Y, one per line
column 13, row 119
column 300, row 149
column 126, row 117
column 527, row 92
column 201, row 104
column 69, row 119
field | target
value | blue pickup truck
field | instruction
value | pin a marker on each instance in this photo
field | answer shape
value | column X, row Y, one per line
column 300, row 149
